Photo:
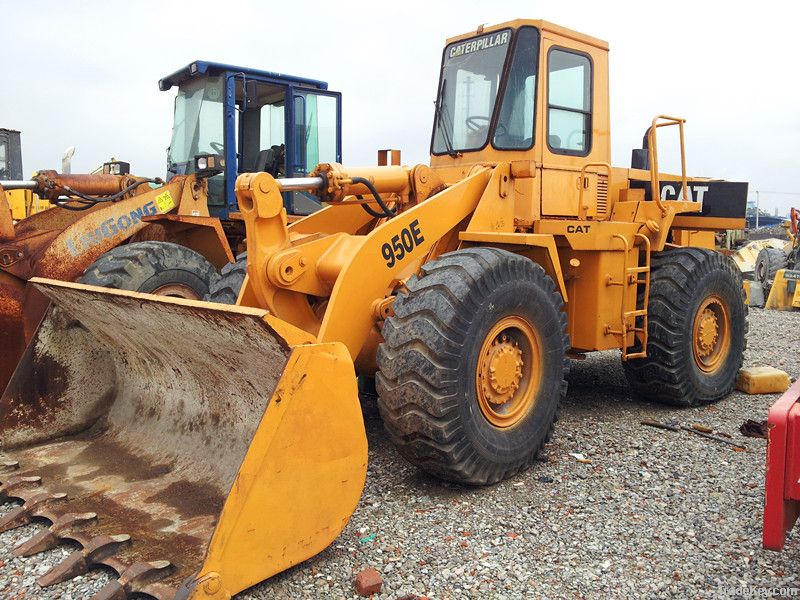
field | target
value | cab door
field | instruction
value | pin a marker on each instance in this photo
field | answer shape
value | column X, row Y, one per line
column 316, row 126
column 570, row 131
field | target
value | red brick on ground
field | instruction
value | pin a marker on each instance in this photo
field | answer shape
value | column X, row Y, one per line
column 368, row 582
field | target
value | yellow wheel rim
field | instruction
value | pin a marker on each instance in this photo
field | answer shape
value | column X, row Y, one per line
column 508, row 371
column 711, row 334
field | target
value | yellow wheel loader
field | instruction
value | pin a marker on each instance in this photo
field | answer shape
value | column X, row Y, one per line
column 199, row 448
column 114, row 230
column 777, row 270
column 23, row 203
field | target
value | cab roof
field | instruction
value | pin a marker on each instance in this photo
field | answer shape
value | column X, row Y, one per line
column 202, row 67
column 543, row 26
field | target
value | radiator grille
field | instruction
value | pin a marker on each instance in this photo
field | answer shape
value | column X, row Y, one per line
column 602, row 196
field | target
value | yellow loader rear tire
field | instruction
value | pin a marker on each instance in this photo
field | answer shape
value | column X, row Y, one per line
column 697, row 329
column 467, row 316
column 160, row 268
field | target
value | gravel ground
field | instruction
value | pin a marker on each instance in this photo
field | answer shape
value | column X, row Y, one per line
column 655, row 515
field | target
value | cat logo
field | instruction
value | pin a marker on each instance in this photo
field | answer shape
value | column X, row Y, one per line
column 695, row 192
column 578, row 228
column 476, row 45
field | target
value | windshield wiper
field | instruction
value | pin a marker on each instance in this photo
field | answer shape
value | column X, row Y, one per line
column 439, row 117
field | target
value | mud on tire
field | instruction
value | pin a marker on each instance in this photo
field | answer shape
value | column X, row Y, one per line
column 155, row 268
column 675, row 372
column 429, row 363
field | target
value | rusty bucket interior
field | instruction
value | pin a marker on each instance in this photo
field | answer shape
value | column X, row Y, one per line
column 125, row 426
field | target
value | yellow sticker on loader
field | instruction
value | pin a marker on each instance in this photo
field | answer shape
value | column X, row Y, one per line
column 165, row 202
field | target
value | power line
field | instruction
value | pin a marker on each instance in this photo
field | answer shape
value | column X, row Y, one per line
column 768, row 192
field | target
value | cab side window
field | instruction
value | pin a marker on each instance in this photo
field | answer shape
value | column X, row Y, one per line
column 315, row 130
column 316, row 127
column 569, row 103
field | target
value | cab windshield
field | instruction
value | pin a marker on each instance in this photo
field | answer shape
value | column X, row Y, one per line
column 471, row 74
column 199, row 123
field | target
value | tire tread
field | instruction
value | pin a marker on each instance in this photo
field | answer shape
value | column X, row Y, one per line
column 225, row 290
column 126, row 267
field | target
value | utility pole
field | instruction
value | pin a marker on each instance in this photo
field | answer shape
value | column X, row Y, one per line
column 758, row 209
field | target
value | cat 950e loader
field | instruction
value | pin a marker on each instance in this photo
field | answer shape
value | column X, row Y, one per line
column 200, row 448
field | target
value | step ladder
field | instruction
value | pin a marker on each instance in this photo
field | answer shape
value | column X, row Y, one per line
column 631, row 313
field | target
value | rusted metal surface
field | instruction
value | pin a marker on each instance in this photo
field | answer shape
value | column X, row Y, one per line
column 49, row 538
column 6, row 218
column 141, row 421
column 51, row 184
column 202, row 234
column 12, row 292
column 22, row 515
column 61, row 244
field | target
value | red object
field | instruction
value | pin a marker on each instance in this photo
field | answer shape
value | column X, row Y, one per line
column 795, row 220
column 368, row 582
column 782, row 504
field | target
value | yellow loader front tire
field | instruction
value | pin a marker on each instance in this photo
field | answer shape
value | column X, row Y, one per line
column 473, row 365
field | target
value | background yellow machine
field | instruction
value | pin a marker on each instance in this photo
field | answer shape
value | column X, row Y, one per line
column 23, row 203
column 464, row 286
column 777, row 269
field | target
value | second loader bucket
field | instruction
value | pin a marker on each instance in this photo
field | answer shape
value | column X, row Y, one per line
column 194, row 448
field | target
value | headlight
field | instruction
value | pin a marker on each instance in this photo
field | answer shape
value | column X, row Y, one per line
column 116, row 167
column 208, row 165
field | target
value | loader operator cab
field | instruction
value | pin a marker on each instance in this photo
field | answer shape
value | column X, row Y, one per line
column 490, row 85
column 255, row 121
column 527, row 91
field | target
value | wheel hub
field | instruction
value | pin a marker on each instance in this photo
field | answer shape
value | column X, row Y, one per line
column 708, row 332
column 711, row 334
column 176, row 290
column 508, row 371
column 504, row 365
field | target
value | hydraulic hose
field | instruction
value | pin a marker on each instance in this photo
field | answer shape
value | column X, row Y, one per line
column 387, row 212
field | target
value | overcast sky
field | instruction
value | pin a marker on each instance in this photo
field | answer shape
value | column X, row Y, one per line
column 85, row 74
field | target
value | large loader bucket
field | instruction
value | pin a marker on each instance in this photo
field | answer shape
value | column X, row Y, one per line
column 196, row 449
